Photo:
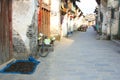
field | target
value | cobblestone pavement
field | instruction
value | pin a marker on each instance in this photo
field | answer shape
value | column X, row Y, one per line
column 79, row 57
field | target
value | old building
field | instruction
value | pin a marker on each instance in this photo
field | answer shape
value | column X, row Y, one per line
column 70, row 13
column 22, row 21
column 90, row 19
column 49, row 18
column 108, row 19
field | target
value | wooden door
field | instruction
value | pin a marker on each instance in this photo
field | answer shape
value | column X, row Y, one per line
column 6, row 30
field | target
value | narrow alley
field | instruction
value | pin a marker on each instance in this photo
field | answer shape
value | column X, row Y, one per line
column 81, row 33
column 79, row 57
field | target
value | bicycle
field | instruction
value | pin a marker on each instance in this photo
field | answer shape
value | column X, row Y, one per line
column 45, row 45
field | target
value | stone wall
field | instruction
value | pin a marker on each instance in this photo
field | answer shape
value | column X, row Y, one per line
column 32, row 33
column 19, row 47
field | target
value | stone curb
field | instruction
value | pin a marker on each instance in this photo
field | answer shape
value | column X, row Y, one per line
column 117, row 42
column 6, row 63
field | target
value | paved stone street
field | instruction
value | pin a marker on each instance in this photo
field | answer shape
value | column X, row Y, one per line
column 79, row 57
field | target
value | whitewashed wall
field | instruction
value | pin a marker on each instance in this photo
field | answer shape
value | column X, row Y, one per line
column 24, row 17
column 64, row 25
column 55, row 17
column 23, row 12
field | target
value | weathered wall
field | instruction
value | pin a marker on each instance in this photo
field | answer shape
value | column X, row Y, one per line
column 112, row 3
column 115, row 23
column 104, row 3
column 115, row 20
column 108, row 14
column 64, row 25
column 55, row 17
column 24, row 27
column 110, row 23
column 98, row 25
column 104, row 23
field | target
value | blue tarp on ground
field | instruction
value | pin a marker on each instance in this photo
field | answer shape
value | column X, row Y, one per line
column 30, row 59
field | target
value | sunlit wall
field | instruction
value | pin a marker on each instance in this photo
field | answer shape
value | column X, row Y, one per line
column 55, row 17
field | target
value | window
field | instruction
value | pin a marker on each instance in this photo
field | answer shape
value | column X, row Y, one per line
column 112, row 13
